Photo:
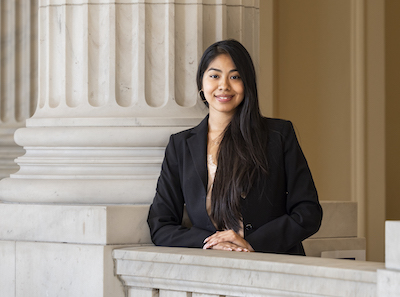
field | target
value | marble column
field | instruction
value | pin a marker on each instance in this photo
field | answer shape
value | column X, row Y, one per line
column 116, row 78
column 18, row 75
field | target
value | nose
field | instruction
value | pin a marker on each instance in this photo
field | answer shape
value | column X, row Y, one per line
column 224, row 84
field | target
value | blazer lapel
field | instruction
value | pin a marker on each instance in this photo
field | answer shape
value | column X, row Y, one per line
column 197, row 144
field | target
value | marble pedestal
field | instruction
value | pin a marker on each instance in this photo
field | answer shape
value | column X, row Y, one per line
column 65, row 250
column 38, row 269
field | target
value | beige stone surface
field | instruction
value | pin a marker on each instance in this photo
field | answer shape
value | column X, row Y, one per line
column 339, row 219
column 314, row 246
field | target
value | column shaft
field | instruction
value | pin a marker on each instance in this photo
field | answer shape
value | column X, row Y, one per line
column 18, row 75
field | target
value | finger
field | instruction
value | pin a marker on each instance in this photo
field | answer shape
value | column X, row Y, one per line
column 231, row 237
column 227, row 246
column 222, row 235
column 211, row 237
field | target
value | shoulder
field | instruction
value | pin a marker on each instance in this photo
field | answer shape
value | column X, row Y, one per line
column 277, row 126
column 201, row 128
column 275, row 122
column 279, row 133
column 182, row 135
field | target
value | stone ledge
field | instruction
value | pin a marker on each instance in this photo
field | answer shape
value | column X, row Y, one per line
column 126, row 224
column 89, row 224
column 238, row 274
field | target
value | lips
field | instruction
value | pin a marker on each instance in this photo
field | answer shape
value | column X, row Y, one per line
column 224, row 98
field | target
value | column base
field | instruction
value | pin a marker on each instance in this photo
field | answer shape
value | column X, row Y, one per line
column 91, row 165
column 79, row 191
column 9, row 151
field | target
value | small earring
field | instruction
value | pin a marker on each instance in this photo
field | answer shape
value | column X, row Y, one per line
column 202, row 97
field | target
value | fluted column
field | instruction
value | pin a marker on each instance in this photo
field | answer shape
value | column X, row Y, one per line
column 116, row 79
column 18, row 75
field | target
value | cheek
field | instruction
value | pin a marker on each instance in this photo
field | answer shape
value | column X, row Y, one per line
column 239, row 89
column 208, row 87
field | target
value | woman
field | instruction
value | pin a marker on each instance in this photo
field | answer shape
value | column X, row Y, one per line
column 243, row 178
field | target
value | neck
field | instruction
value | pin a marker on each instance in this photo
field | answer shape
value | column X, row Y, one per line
column 218, row 123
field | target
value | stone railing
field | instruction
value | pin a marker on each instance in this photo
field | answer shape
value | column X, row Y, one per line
column 149, row 271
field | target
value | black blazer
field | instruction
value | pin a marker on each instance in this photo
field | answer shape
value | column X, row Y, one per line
column 278, row 212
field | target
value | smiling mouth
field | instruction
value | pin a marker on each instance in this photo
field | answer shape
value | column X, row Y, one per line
column 224, row 98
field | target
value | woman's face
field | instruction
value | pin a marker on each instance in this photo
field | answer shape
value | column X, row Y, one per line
column 222, row 86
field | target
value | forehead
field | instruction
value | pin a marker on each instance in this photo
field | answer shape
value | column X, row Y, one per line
column 222, row 62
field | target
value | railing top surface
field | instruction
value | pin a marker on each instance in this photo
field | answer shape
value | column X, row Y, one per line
column 311, row 266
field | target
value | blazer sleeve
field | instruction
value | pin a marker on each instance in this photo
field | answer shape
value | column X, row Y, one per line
column 303, row 212
column 165, row 214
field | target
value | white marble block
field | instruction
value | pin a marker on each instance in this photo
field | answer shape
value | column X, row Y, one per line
column 7, row 268
column 90, row 224
column 392, row 245
column 65, row 270
column 388, row 283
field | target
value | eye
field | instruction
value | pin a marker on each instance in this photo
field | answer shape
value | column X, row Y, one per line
column 235, row 77
column 214, row 76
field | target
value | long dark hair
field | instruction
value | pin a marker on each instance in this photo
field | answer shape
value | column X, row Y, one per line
column 241, row 155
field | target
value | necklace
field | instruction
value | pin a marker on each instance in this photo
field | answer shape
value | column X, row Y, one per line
column 216, row 140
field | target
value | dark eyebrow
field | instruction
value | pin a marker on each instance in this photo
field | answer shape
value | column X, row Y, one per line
column 218, row 70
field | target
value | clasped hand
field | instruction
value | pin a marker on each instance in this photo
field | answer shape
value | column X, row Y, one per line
column 227, row 240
